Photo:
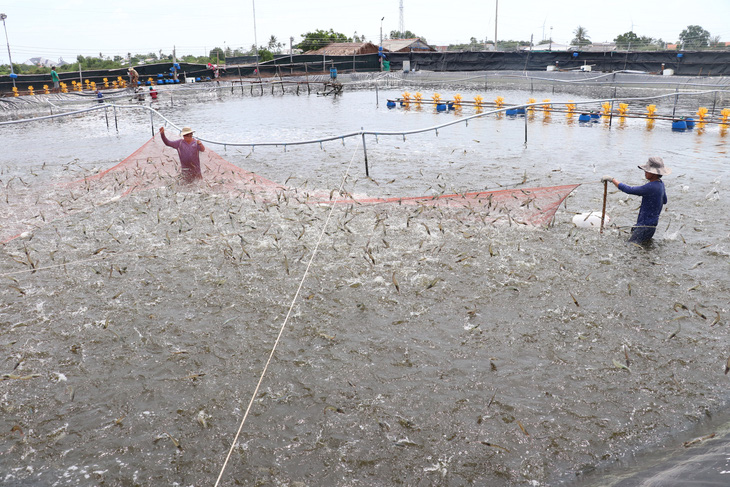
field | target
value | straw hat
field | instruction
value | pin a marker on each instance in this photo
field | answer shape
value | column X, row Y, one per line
column 655, row 165
column 186, row 131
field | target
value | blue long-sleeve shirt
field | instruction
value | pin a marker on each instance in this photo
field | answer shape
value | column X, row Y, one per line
column 653, row 199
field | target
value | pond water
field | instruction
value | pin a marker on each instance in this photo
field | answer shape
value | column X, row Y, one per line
column 426, row 347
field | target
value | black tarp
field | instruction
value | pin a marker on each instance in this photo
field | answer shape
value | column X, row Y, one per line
column 684, row 63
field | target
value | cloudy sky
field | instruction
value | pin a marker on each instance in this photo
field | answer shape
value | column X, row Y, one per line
column 65, row 28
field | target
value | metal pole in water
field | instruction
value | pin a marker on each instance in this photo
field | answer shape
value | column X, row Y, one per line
column 377, row 99
column 116, row 125
column 603, row 213
column 152, row 123
column 106, row 115
column 365, row 151
column 676, row 97
column 525, row 127
column 714, row 100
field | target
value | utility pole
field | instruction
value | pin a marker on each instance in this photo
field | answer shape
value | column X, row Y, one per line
column 496, row 12
column 12, row 73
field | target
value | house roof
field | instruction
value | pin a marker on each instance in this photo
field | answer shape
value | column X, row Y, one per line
column 346, row 49
column 396, row 45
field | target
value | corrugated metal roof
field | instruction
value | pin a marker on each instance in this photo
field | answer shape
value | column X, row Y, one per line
column 395, row 45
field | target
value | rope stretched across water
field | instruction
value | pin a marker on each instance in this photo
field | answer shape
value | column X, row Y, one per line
column 286, row 319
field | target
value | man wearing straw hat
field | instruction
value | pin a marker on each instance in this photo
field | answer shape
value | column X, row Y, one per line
column 189, row 150
column 653, row 198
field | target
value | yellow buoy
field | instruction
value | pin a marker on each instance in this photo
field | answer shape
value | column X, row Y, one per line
column 623, row 108
column 406, row 97
column 64, row 87
column 436, row 98
column 106, row 82
column 457, row 99
column 570, row 106
column 725, row 113
column 418, row 97
column 30, row 90
column 650, row 110
column 531, row 100
column 702, row 113
column 45, row 89
column 606, row 107
column 15, row 91
column 499, row 101
column 478, row 100
column 547, row 106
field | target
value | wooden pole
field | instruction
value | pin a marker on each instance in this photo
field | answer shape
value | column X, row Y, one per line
column 603, row 213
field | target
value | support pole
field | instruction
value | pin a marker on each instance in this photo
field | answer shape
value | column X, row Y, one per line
column 603, row 213
column 365, row 151
column 152, row 123
column 106, row 115
column 525, row 125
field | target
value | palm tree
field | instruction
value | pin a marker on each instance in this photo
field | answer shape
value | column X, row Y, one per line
column 581, row 36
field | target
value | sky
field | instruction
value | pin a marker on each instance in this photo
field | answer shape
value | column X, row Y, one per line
column 66, row 28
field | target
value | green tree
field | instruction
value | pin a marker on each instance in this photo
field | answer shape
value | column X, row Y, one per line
column 274, row 45
column 217, row 54
column 630, row 40
column 694, row 37
column 315, row 40
column 581, row 36
column 396, row 34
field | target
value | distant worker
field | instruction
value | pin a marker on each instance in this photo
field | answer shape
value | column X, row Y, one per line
column 153, row 92
column 189, row 150
column 55, row 79
column 99, row 95
column 653, row 198
column 133, row 76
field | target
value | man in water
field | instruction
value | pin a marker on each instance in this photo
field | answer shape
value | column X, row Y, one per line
column 653, row 199
column 54, row 78
column 133, row 77
column 189, row 150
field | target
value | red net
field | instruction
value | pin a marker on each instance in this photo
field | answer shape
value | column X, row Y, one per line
column 155, row 165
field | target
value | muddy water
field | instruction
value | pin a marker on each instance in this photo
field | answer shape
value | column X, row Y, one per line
column 425, row 348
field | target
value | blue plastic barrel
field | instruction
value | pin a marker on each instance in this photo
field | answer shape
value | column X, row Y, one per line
column 333, row 73
column 690, row 123
column 441, row 107
column 679, row 125
column 13, row 76
column 148, row 82
column 390, row 104
column 511, row 112
column 159, row 75
column 584, row 117
column 197, row 79
column 595, row 115
column 451, row 105
column 521, row 111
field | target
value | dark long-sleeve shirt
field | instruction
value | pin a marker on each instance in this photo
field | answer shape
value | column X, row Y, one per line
column 653, row 199
column 189, row 157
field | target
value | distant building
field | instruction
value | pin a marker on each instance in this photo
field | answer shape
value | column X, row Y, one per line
column 40, row 61
column 671, row 47
column 405, row 45
column 346, row 49
column 598, row 47
column 548, row 46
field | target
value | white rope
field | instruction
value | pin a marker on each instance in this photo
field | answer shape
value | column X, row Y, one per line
column 286, row 319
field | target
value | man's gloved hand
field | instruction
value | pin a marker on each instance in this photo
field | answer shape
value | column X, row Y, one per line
column 606, row 179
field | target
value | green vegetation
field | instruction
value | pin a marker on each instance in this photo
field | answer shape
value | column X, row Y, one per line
column 631, row 41
column 320, row 38
column 581, row 37
column 694, row 37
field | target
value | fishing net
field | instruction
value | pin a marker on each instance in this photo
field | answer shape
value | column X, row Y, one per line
column 526, row 206
column 155, row 166
column 152, row 166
